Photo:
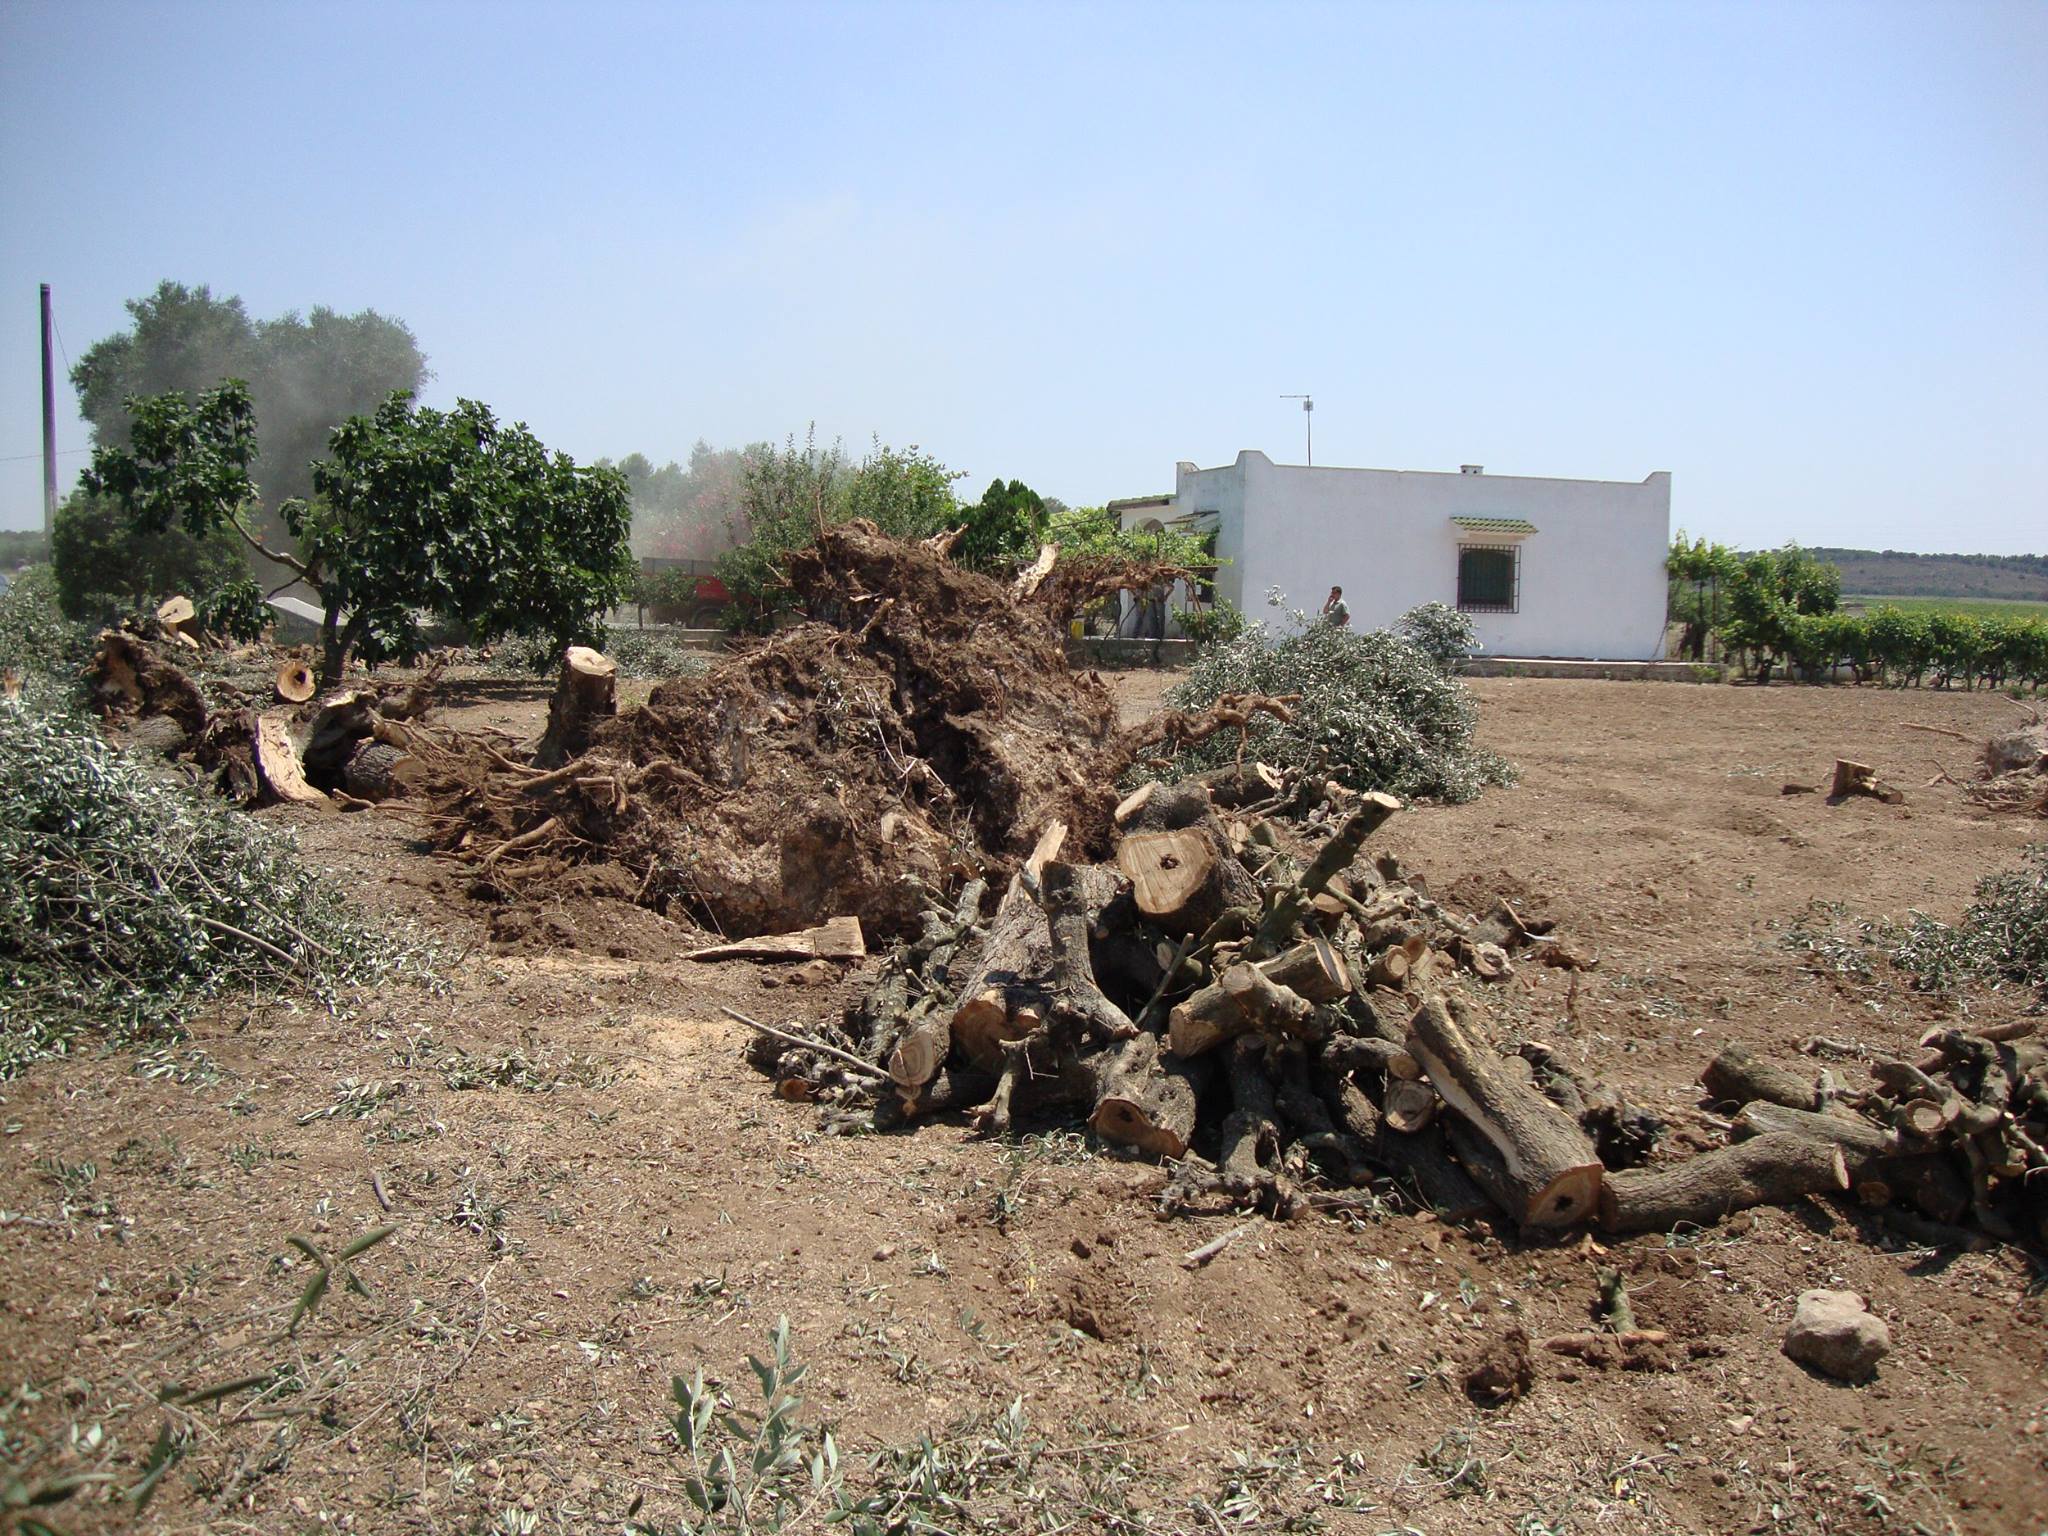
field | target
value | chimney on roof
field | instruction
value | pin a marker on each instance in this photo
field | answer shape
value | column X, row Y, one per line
column 1471, row 469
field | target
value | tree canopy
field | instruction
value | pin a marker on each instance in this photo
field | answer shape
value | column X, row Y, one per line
column 306, row 374
column 416, row 512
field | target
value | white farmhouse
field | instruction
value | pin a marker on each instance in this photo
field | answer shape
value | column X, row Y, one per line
column 1556, row 568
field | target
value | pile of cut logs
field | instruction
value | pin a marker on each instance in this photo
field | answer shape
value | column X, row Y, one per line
column 1284, row 1020
column 1956, row 1136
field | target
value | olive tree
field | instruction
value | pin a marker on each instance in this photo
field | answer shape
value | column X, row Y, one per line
column 415, row 513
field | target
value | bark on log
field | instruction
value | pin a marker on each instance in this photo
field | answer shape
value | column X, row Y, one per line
column 1315, row 970
column 1007, row 993
column 1873, row 1155
column 1143, row 1097
column 1420, row 1161
column 1739, row 1076
column 1769, row 1170
column 330, row 738
column 1345, row 1054
column 1544, row 1171
column 585, row 693
column 1232, row 787
column 1249, row 1150
column 837, row 938
column 374, row 771
column 1075, row 994
column 1244, row 998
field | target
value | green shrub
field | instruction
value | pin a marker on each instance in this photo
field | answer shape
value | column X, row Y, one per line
column 1377, row 712
column 1218, row 624
column 2003, row 936
column 129, row 900
column 235, row 610
column 107, row 569
column 37, row 642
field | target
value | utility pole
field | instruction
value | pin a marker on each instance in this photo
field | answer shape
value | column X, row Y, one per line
column 49, row 434
column 1308, row 419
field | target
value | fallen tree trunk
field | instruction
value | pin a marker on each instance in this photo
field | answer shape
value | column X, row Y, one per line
column 1699, row 1191
column 1738, row 1076
column 1008, row 993
column 1245, row 998
column 1879, row 1161
column 1542, row 1171
column 585, row 693
column 1143, row 1097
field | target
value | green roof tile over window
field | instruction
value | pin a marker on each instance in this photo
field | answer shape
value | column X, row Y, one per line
column 1495, row 524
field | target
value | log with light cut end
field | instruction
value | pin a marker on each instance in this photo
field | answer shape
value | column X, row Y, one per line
column 295, row 683
column 586, row 692
column 1174, row 877
column 1315, row 969
column 1408, row 1106
column 1244, row 998
column 1007, row 993
column 1536, row 1163
column 1861, row 779
column 921, row 1050
column 1768, row 1170
column 174, row 613
column 1143, row 1098
column 1739, row 1076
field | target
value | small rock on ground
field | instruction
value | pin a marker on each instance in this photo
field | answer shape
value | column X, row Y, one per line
column 1837, row 1335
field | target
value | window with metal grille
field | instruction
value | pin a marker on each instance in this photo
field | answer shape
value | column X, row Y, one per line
column 1489, row 578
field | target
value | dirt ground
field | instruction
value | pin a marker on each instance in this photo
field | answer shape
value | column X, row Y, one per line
column 592, row 1194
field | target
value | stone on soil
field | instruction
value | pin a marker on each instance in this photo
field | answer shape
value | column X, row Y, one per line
column 1837, row 1335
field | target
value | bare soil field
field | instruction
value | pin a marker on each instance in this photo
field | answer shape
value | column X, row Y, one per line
column 592, row 1193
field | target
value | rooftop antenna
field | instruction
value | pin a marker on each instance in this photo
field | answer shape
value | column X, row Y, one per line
column 1308, row 420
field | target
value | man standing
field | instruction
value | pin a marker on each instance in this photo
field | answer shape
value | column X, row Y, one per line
column 1334, row 610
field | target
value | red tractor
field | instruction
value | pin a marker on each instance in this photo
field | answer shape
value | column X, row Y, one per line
column 685, row 592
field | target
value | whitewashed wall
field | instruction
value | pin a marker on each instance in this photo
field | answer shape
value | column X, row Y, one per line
column 1592, row 575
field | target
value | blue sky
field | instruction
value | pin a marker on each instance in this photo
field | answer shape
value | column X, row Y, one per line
column 1795, row 254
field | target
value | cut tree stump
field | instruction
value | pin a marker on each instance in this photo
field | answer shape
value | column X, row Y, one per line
column 1075, row 993
column 1861, row 779
column 1543, row 1170
column 585, row 693
column 1699, row 1191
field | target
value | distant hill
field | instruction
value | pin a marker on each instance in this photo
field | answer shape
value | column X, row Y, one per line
column 1892, row 573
